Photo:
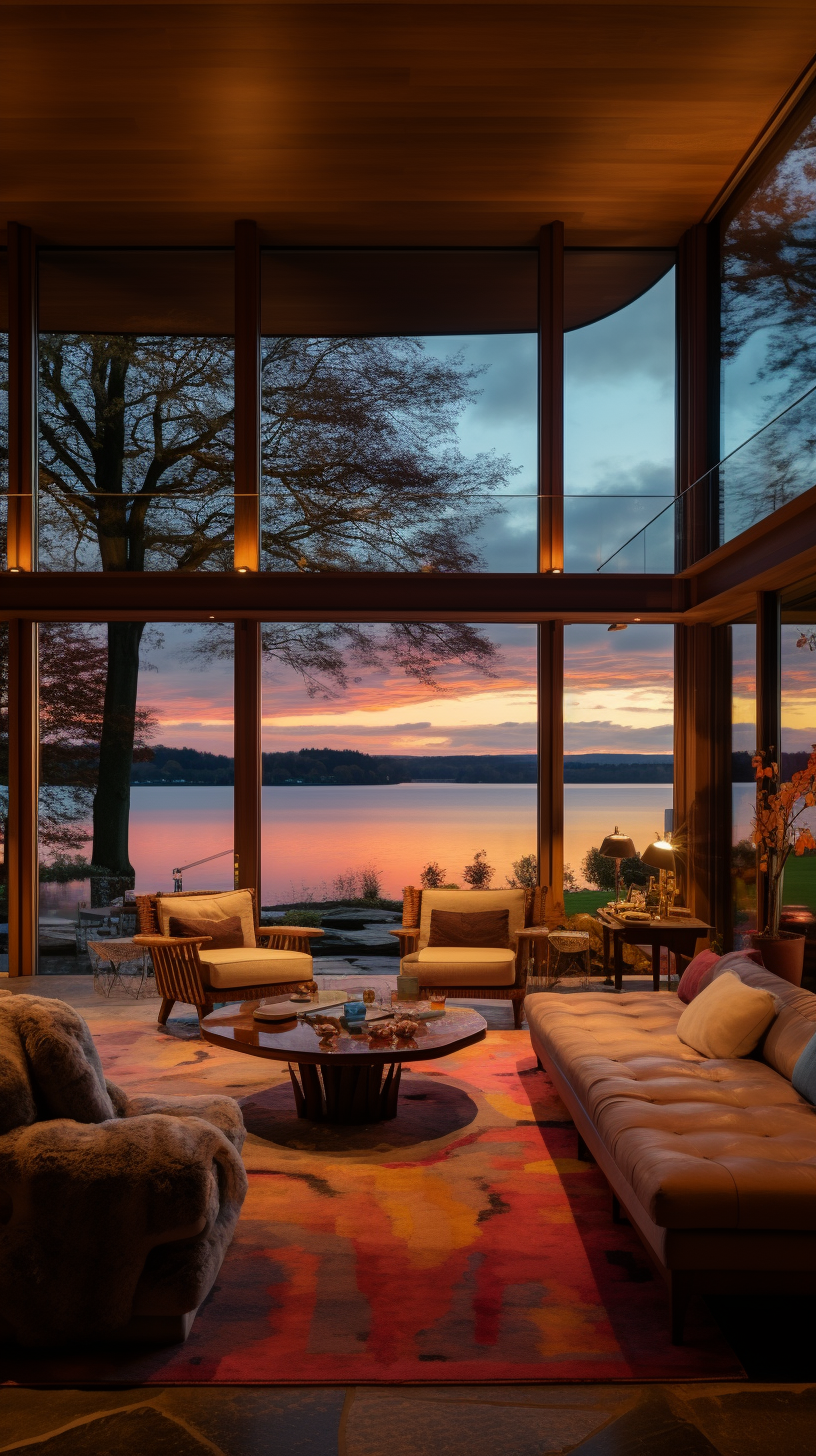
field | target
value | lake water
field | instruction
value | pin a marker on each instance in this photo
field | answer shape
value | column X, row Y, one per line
column 310, row 835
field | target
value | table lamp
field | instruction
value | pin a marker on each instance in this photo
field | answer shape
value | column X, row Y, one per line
column 660, row 856
column 617, row 847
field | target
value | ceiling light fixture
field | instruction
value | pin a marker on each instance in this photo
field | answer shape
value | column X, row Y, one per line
column 617, row 626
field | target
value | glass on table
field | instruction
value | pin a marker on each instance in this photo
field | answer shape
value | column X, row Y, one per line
column 369, row 996
column 437, row 999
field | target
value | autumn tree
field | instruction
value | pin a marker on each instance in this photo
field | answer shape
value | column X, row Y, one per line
column 362, row 470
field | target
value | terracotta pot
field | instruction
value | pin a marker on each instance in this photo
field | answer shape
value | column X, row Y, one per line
column 784, row 954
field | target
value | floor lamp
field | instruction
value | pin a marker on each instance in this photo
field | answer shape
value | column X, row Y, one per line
column 617, row 847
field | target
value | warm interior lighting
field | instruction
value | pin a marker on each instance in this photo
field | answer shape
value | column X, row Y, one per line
column 15, row 570
column 242, row 570
column 617, row 626
column 659, row 855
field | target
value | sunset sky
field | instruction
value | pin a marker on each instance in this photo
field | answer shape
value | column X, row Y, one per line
column 618, row 699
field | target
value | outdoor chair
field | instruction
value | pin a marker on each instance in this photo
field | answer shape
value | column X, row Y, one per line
column 494, row 973
column 192, row 969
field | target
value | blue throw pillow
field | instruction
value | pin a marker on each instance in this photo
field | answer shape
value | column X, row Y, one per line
column 804, row 1073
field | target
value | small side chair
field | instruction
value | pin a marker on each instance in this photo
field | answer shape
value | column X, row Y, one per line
column 188, row 971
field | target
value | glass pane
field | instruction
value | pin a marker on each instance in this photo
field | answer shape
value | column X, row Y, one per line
column 618, row 747
column 399, row 453
column 136, row 773
column 619, row 433
column 798, row 737
column 743, row 789
column 768, row 335
column 388, row 749
column 136, row 411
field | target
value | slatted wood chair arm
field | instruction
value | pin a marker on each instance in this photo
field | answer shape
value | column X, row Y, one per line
column 169, row 940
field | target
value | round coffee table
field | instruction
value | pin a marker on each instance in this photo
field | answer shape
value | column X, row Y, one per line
column 354, row 1080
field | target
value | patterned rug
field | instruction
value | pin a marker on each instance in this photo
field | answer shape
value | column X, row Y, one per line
column 462, row 1241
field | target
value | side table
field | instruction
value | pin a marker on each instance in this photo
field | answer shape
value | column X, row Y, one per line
column 678, row 936
column 119, row 955
column 537, row 937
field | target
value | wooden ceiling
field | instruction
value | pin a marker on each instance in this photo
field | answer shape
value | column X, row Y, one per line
column 384, row 123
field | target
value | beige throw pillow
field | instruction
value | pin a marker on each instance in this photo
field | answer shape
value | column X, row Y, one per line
column 727, row 1018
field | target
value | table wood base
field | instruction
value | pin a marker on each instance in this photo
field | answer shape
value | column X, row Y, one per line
column 346, row 1094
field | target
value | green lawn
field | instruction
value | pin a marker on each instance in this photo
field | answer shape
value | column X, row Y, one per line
column 585, row 902
column 800, row 881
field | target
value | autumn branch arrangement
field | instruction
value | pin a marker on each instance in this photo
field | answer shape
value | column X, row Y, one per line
column 777, row 832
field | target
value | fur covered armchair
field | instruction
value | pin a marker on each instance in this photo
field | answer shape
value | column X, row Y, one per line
column 115, row 1212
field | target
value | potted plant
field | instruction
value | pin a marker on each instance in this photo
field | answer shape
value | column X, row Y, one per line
column 779, row 833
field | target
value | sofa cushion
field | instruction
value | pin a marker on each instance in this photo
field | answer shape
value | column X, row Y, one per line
column 795, row 1023
column 469, row 901
column 209, row 907
column 469, row 928
column 690, row 979
column 223, row 969
column 727, row 1019
column 804, row 1072
column 461, row 966
column 223, row 934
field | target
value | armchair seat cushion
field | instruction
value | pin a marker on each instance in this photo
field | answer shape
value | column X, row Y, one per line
column 461, row 966
column 222, row 969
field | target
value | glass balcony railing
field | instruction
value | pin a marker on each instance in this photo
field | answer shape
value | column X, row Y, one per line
column 765, row 472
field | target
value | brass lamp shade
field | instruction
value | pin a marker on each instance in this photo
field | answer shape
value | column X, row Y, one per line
column 659, row 855
column 618, row 846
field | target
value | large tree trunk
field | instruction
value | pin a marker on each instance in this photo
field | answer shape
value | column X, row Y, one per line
column 111, row 812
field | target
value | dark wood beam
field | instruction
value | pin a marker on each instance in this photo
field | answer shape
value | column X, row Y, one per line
column 775, row 553
column 21, row 841
column 351, row 597
column 247, row 749
column 768, row 702
column 247, row 396
column 702, row 771
column 551, row 764
column 21, row 837
column 551, row 386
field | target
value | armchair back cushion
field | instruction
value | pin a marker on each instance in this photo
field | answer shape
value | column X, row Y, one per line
column 209, row 908
column 468, row 902
column 224, row 934
column 473, row 928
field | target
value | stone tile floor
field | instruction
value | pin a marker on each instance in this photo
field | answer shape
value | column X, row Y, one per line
column 590, row 1420
column 773, row 1412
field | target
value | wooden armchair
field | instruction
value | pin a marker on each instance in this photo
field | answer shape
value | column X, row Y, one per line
column 185, row 972
column 470, row 977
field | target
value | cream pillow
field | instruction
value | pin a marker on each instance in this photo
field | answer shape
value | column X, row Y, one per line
column 727, row 1018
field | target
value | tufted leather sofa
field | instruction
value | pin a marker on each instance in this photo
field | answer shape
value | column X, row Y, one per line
column 714, row 1162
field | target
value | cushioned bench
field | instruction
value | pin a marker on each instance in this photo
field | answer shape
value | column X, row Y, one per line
column 713, row 1161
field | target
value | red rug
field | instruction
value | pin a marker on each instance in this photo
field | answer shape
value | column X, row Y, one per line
column 462, row 1242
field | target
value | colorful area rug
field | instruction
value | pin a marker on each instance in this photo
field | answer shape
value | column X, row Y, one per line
column 463, row 1241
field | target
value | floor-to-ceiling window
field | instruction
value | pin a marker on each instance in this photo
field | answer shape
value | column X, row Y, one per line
column 392, row 748
column 618, row 745
column 399, row 411
column 619, row 410
column 135, row 409
column 798, row 720
column 130, row 797
column 768, row 334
